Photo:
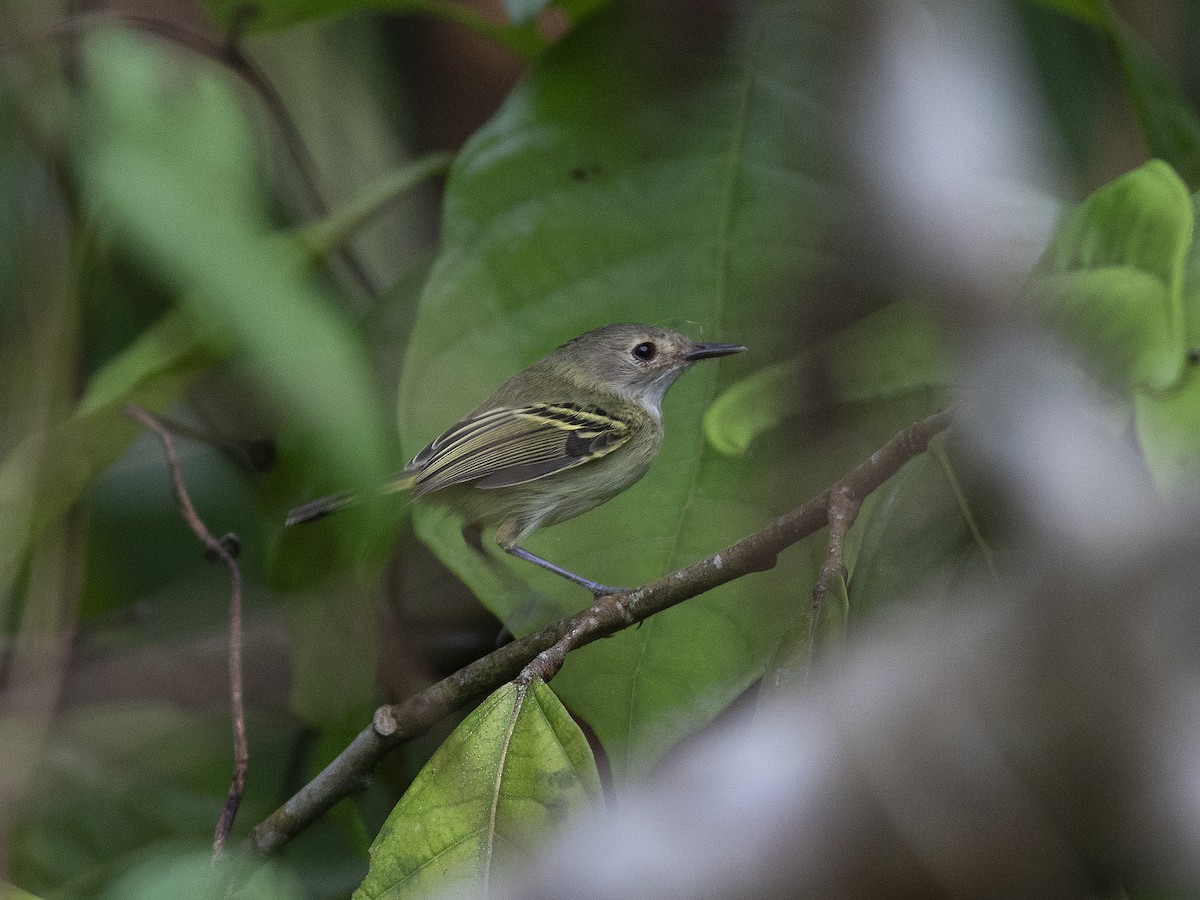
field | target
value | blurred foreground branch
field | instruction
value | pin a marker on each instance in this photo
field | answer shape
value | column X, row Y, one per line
column 1036, row 739
column 541, row 654
column 221, row 550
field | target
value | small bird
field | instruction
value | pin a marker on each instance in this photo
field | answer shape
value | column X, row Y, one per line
column 557, row 439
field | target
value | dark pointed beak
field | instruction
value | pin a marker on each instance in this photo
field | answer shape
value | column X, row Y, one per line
column 711, row 350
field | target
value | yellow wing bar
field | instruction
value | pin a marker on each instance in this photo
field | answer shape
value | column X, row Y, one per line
column 506, row 446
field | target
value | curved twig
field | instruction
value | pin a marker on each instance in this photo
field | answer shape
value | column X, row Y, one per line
column 219, row 549
column 841, row 512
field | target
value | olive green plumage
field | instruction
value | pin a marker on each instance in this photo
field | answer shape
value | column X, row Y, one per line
column 557, row 439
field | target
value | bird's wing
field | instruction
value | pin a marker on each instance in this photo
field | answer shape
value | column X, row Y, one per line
column 505, row 446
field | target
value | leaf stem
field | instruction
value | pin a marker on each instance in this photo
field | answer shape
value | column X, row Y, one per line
column 327, row 234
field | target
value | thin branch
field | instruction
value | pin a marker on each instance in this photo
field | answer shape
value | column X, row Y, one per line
column 841, row 512
column 325, row 235
column 218, row 548
column 542, row 652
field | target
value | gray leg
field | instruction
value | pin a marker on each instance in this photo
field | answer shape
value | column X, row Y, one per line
column 595, row 587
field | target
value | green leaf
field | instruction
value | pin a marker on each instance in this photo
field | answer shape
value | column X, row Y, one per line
column 893, row 351
column 1168, row 120
column 272, row 15
column 170, row 167
column 152, row 372
column 917, row 537
column 184, row 875
column 125, row 782
column 11, row 892
column 1090, row 11
column 602, row 194
column 320, row 238
column 514, row 771
column 1111, row 279
column 1168, row 422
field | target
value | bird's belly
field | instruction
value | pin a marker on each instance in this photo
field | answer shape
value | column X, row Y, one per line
column 522, row 508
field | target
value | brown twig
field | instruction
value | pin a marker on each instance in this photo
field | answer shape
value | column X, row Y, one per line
column 241, row 752
column 540, row 654
column 841, row 512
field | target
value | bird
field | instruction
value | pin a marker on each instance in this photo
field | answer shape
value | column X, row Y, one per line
column 556, row 440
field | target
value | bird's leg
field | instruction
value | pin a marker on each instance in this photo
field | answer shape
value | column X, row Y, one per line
column 595, row 587
column 472, row 533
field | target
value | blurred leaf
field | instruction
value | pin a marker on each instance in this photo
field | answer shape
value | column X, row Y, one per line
column 1111, row 279
column 11, row 892
column 148, row 371
column 600, row 193
column 338, row 81
column 124, row 781
column 893, row 351
column 523, row 11
column 526, row 11
column 1090, row 11
column 152, row 372
column 170, row 165
column 1072, row 63
column 1168, row 422
column 915, row 538
column 515, row 770
column 523, row 40
column 1168, row 120
column 333, row 631
column 184, row 875
column 322, row 237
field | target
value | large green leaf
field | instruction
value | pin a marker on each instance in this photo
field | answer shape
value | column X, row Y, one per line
column 600, row 193
column 1111, row 279
column 517, row 768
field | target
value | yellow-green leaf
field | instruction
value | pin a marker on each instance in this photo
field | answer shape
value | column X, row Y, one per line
column 513, row 772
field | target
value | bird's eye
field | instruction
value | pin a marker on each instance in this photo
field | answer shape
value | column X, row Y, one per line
column 645, row 351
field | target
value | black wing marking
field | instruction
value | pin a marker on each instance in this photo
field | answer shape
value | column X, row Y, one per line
column 507, row 446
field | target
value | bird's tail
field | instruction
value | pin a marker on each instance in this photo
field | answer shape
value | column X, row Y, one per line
column 319, row 508
column 332, row 503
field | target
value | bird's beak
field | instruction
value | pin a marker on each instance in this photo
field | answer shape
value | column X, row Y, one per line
column 710, row 350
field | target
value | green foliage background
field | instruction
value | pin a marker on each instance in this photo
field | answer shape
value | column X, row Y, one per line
column 153, row 250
